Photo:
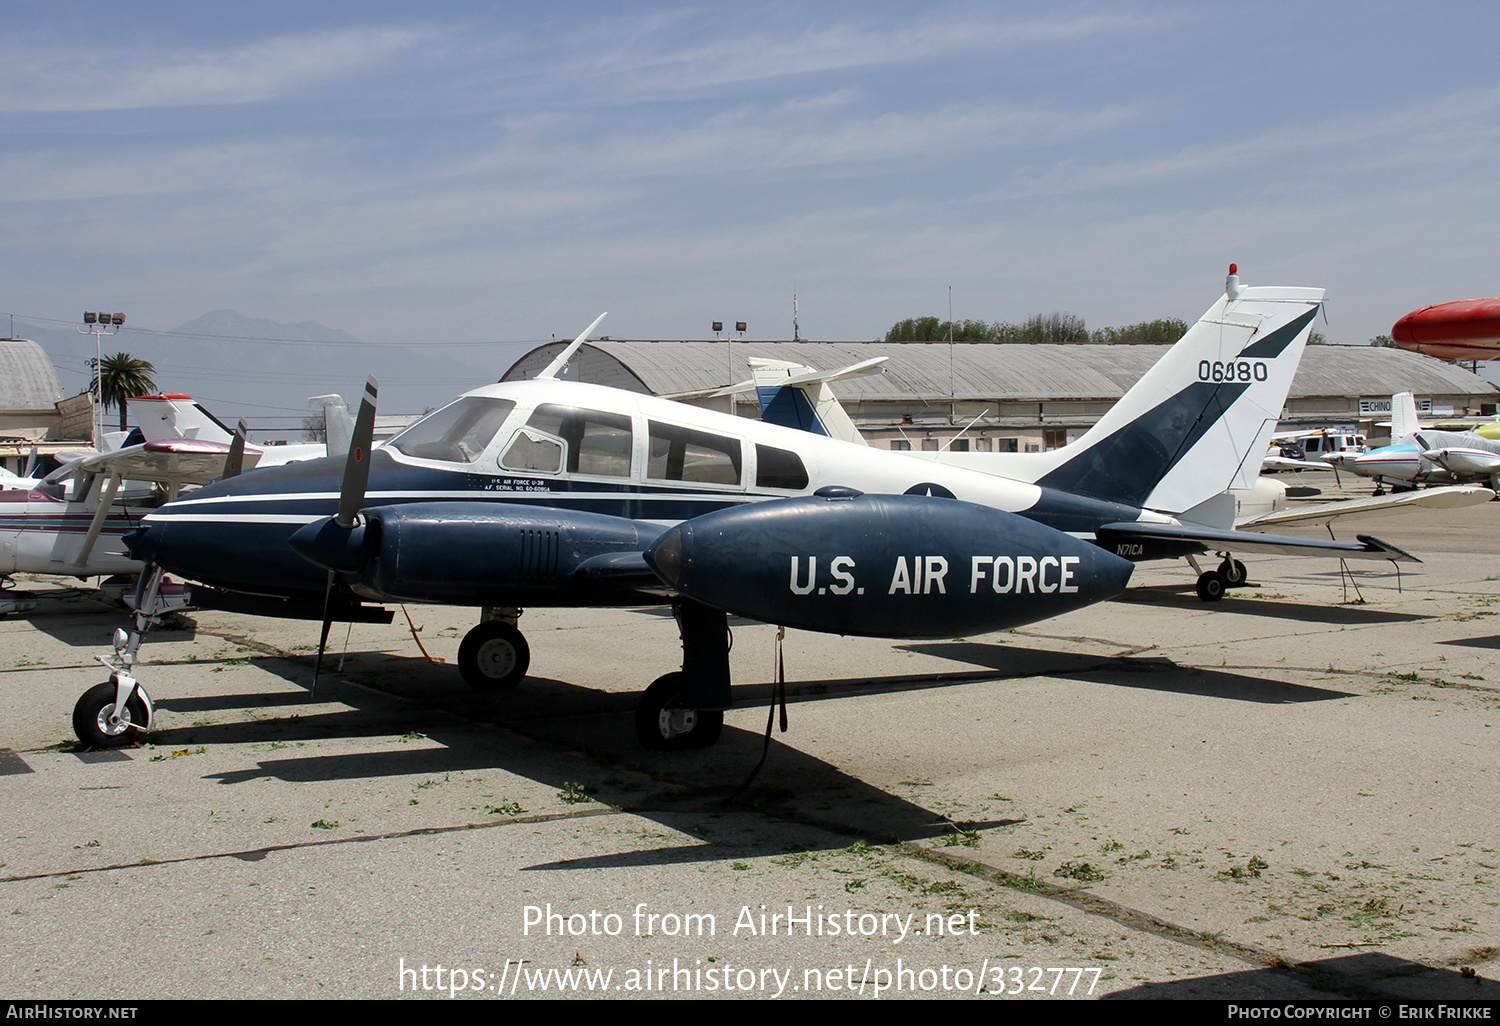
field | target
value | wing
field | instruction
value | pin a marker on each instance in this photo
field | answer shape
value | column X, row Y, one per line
column 170, row 461
column 1452, row 497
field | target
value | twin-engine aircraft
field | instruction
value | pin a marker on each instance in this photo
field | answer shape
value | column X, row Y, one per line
column 556, row 493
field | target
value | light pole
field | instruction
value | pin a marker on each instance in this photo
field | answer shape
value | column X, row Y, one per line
column 723, row 336
column 98, row 325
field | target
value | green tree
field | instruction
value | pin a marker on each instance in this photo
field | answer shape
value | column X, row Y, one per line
column 1384, row 342
column 1162, row 332
column 1054, row 327
column 119, row 377
column 930, row 329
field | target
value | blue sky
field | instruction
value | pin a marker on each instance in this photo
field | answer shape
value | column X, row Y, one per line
column 440, row 173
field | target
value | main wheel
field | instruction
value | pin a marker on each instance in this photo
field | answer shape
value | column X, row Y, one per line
column 1233, row 572
column 1210, row 586
column 92, row 723
column 662, row 725
column 494, row 656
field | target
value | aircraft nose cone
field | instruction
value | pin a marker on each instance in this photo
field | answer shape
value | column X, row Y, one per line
column 665, row 557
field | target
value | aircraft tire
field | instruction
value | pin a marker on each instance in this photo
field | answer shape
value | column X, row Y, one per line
column 662, row 726
column 494, row 656
column 1210, row 586
column 91, row 718
column 1233, row 572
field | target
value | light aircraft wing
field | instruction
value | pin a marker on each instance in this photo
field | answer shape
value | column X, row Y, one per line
column 1452, row 497
column 1284, row 463
column 169, row 461
column 1112, row 536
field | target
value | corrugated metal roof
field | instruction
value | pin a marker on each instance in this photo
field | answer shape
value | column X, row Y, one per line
column 935, row 370
column 28, row 381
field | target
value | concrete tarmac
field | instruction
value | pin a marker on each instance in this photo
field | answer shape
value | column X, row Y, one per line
column 1286, row 794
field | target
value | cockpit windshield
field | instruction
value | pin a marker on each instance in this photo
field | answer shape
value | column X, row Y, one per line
column 458, row 433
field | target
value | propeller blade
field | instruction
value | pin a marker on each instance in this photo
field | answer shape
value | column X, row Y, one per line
column 357, row 466
column 323, row 638
column 236, row 458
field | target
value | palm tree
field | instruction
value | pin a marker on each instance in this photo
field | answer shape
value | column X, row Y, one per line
column 123, row 376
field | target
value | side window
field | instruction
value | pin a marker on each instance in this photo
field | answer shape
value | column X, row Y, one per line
column 458, row 433
column 777, row 468
column 532, row 451
column 597, row 443
column 682, row 454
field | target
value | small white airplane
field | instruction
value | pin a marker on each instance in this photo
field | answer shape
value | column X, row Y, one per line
column 70, row 522
column 556, row 493
column 1423, row 456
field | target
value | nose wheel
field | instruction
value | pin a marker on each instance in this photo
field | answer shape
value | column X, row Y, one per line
column 494, row 656
column 97, row 724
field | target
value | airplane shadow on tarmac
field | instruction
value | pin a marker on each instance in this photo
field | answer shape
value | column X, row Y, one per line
column 539, row 731
column 1153, row 673
column 1346, row 615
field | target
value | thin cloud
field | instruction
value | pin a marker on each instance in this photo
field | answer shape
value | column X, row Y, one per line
column 52, row 79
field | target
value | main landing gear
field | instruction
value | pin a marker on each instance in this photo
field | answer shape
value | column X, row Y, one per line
column 1212, row 584
column 494, row 656
column 680, row 710
column 686, row 709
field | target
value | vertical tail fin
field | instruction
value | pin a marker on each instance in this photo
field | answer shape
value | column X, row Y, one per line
column 793, row 395
column 1404, row 422
column 338, row 428
column 1199, row 421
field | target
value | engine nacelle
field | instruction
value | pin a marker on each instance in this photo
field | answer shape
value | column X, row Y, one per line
column 476, row 553
column 890, row 566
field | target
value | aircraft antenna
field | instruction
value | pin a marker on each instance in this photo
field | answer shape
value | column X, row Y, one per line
column 560, row 362
column 964, row 431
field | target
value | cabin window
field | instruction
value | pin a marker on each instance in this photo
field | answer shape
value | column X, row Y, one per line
column 532, row 451
column 682, row 454
column 597, row 443
column 458, row 433
column 777, row 468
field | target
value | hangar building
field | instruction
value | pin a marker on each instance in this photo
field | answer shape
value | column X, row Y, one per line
column 1027, row 397
column 33, row 412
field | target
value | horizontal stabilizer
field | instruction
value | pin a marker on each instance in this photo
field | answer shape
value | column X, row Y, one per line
column 1112, row 536
column 1452, row 497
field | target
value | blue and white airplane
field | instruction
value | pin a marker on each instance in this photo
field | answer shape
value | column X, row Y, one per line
column 1424, row 456
column 557, row 493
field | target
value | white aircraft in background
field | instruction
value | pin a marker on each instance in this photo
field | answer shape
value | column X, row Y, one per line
column 70, row 521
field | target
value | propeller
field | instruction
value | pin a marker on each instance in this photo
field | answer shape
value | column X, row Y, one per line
column 351, row 498
column 235, row 461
